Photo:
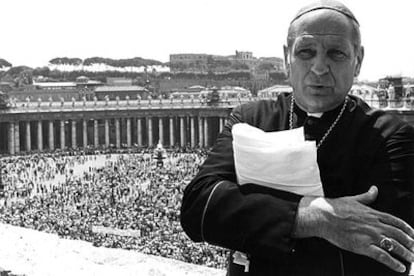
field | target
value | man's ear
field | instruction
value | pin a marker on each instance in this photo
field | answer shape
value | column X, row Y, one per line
column 359, row 59
column 287, row 60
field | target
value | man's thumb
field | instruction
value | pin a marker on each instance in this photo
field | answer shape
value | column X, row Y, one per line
column 367, row 197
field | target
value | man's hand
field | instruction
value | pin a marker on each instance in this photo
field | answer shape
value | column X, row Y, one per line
column 348, row 223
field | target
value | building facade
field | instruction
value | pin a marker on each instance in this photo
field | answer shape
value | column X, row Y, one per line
column 122, row 92
column 241, row 61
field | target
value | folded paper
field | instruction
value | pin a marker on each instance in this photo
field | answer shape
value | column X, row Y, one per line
column 281, row 160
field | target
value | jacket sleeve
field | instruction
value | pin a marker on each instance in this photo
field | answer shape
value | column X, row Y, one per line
column 249, row 218
column 391, row 168
column 393, row 172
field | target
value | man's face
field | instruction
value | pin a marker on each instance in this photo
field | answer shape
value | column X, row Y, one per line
column 322, row 61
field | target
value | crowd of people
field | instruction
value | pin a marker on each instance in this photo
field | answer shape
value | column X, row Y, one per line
column 75, row 195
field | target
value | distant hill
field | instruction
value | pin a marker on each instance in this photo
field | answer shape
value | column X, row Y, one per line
column 130, row 62
column 4, row 63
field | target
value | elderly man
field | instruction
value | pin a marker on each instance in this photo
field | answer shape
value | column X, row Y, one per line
column 361, row 226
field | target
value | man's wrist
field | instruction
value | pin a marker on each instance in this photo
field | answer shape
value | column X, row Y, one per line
column 309, row 219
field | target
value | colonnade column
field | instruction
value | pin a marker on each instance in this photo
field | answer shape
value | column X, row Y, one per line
column 85, row 133
column 118, row 133
column 172, row 132
column 149, row 125
column 39, row 135
column 106, row 133
column 160, row 130
column 200, row 132
column 51, row 136
column 221, row 124
column 182, row 132
column 28, row 137
column 192, row 131
column 95, row 133
column 11, row 138
column 206, row 140
column 73, row 134
column 128, row 123
column 139, row 132
column 62, row 135
column 17, row 137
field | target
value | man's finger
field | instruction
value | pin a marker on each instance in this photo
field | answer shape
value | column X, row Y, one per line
column 385, row 258
column 402, row 251
column 396, row 222
column 368, row 197
column 400, row 236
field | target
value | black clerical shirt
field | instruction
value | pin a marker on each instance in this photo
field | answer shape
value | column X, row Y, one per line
column 366, row 147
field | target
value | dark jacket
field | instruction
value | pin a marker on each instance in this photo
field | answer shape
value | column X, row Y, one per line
column 367, row 147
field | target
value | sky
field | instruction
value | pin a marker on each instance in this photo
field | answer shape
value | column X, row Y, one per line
column 34, row 32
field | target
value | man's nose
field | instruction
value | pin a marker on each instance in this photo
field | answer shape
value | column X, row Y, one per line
column 320, row 65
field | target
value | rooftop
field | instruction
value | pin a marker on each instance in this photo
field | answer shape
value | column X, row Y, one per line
column 120, row 88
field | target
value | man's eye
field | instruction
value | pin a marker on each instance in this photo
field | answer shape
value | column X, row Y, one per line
column 337, row 55
column 305, row 53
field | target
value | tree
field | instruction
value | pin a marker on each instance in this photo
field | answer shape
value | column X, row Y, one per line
column 130, row 62
column 239, row 66
column 279, row 77
column 66, row 60
column 266, row 66
column 4, row 63
column 41, row 71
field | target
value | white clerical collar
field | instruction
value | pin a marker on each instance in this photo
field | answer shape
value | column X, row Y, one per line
column 317, row 115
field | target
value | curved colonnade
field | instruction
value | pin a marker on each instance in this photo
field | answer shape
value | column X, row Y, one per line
column 31, row 129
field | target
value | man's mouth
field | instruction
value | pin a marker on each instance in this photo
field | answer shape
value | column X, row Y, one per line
column 318, row 86
column 320, row 90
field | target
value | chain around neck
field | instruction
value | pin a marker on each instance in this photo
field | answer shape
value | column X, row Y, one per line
column 292, row 102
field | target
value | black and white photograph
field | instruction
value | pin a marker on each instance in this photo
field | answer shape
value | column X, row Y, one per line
column 207, row 138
